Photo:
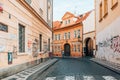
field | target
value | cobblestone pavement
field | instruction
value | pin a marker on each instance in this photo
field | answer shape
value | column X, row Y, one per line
column 79, row 69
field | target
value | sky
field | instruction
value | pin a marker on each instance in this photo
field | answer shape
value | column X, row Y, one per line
column 73, row 6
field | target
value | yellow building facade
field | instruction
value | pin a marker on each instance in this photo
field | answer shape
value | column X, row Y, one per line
column 25, row 31
column 107, row 30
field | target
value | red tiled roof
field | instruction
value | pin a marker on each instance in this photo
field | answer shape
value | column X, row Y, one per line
column 57, row 24
column 68, row 13
column 84, row 17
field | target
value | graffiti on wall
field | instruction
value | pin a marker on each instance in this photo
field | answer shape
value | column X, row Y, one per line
column 14, row 51
column 35, row 48
column 29, row 46
column 113, row 43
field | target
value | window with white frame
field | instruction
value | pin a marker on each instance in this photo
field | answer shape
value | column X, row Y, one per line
column 69, row 21
column 58, row 36
column 78, row 33
column 78, row 47
column 65, row 35
column 55, row 36
column 75, row 48
column 75, row 34
column 68, row 35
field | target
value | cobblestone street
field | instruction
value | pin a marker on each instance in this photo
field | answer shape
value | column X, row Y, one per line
column 79, row 69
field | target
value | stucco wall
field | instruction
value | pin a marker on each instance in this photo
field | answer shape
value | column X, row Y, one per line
column 108, row 41
column 33, row 28
column 89, row 23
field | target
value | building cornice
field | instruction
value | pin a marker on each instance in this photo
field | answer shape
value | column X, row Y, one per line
column 31, row 10
column 68, row 26
column 89, row 32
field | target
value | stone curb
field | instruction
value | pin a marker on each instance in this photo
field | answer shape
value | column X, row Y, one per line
column 113, row 68
column 29, row 73
column 40, row 71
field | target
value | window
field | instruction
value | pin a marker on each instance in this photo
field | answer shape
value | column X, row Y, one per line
column 9, row 16
column 48, row 44
column 79, row 33
column 65, row 22
column 114, row 3
column 105, row 7
column 49, row 10
column 65, row 35
column 55, row 37
column 68, row 35
column 75, row 35
column 28, row 1
column 40, row 39
column 100, row 12
column 69, row 21
column 59, row 48
column 78, row 47
column 58, row 36
column 75, row 47
column 21, row 38
column 3, row 27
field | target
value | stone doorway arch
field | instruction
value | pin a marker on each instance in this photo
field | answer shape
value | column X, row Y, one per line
column 67, row 49
column 88, row 49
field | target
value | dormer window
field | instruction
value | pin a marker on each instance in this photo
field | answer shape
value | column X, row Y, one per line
column 68, row 21
column 65, row 22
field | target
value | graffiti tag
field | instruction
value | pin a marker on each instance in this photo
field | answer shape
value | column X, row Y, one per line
column 113, row 43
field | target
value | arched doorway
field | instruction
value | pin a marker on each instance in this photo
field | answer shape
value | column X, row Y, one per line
column 67, row 50
column 88, row 47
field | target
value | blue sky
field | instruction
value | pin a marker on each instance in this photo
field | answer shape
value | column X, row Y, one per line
column 74, row 6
